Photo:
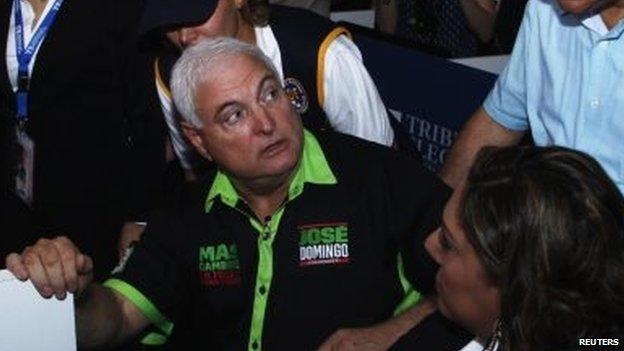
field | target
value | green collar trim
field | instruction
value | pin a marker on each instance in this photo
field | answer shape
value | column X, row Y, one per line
column 313, row 168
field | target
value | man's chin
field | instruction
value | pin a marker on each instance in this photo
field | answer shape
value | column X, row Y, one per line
column 275, row 173
column 283, row 161
column 580, row 8
column 283, row 170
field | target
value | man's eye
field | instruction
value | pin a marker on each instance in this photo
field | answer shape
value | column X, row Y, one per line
column 271, row 95
column 233, row 117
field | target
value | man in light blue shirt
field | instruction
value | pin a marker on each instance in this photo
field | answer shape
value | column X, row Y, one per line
column 564, row 82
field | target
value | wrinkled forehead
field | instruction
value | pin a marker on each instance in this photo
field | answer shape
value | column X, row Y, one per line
column 231, row 78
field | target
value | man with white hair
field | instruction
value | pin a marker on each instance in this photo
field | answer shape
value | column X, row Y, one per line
column 294, row 236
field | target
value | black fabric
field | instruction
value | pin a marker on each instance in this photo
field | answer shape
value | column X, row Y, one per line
column 508, row 19
column 98, row 133
column 435, row 333
column 164, row 13
column 383, row 196
column 437, row 26
column 300, row 34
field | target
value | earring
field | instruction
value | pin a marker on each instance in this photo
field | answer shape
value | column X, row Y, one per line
column 493, row 342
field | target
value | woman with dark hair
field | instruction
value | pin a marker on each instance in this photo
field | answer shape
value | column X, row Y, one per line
column 531, row 251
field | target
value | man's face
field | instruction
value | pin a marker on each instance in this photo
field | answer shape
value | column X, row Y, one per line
column 465, row 294
column 224, row 22
column 250, row 128
column 579, row 7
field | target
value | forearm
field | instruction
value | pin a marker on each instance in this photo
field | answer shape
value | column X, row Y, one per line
column 404, row 322
column 99, row 318
column 55, row 267
column 480, row 130
column 480, row 15
column 381, row 336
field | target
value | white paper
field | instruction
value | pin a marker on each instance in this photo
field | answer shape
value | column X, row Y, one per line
column 29, row 322
column 472, row 346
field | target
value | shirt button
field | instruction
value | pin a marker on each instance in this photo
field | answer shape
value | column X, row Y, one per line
column 254, row 345
column 262, row 290
column 594, row 103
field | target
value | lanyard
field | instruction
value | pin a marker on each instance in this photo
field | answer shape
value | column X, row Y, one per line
column 25, row 54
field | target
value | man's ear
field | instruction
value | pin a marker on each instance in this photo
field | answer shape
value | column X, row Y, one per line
column 193, row 134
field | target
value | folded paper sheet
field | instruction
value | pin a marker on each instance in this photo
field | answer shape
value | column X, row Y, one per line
column 28, row 322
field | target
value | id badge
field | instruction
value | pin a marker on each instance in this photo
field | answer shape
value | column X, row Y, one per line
column 25, row 170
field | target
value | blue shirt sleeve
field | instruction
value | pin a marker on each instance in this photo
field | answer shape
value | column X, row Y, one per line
column 507, row 102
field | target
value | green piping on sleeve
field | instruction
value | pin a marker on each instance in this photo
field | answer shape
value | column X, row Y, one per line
column 411, row 296
column 142, row 303
column 154, row 339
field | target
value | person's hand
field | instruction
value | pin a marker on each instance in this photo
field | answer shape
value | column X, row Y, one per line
column 55, row 267
column 381, row 336
column 359, row 339
column 130, row 233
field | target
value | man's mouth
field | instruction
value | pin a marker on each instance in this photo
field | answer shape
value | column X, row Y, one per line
column 274, row 148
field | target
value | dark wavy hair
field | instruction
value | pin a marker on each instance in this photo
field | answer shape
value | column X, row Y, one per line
column 548, row 226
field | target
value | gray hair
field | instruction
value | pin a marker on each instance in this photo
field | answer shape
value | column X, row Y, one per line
column 196, row 66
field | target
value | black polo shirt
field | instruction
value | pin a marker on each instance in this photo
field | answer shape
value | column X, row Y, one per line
column 330, row 257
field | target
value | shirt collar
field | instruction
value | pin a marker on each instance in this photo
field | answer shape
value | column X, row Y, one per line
column 617, row 31
column 595, row 23
column 313, row 168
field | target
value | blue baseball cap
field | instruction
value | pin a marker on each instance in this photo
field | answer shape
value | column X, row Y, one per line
column 171, row 13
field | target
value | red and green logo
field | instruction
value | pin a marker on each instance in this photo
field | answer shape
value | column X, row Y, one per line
column 323, row 243
column 218, row 265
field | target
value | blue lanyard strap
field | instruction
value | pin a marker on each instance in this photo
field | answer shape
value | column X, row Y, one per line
column 25, row 54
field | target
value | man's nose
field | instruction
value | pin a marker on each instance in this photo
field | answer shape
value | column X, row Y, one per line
column 264, row 120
